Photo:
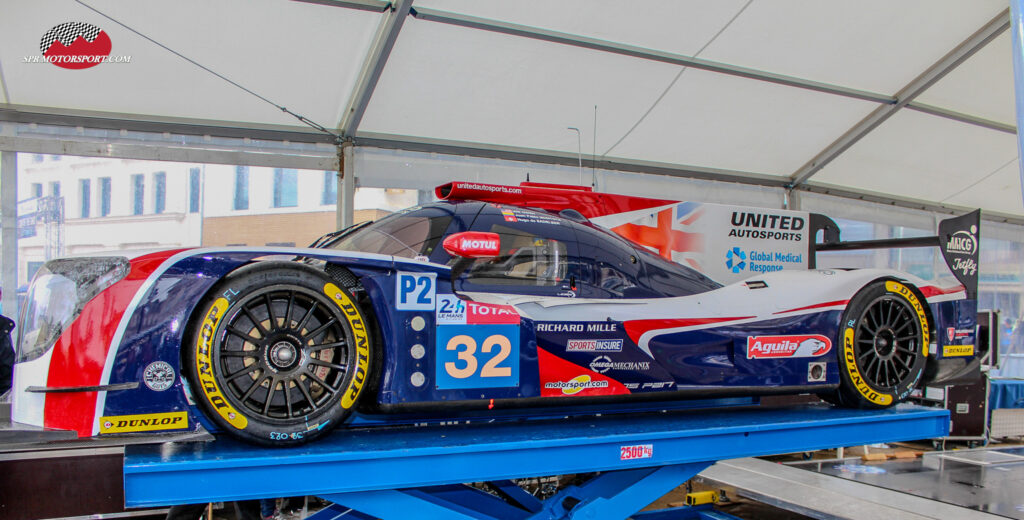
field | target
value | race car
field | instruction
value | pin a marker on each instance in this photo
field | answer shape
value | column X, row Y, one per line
column 504, row 300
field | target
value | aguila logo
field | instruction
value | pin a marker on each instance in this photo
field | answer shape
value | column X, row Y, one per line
column 809, row 345
column 963, row 242
column 75, row 45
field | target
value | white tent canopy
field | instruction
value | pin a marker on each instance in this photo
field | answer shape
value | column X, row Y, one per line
column 908, row 101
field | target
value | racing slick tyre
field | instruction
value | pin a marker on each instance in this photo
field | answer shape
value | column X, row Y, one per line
column 279, row 354
column 884, row 336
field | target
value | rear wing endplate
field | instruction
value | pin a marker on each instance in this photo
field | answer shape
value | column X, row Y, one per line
column 958, row 240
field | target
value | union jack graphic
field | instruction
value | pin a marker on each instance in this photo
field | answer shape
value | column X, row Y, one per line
column 671, row 232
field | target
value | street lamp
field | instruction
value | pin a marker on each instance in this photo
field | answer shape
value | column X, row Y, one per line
column 579, row 150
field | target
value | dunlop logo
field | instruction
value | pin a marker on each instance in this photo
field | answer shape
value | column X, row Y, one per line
column 144, row 422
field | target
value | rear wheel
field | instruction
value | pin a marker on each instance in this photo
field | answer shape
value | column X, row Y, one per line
column 279, row 354
column 884, row 336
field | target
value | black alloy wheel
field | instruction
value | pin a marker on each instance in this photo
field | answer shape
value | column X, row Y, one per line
column 283, row 354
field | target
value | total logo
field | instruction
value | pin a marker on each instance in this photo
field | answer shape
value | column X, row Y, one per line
column 796, row 346
column 736, row 259
column 963, row 242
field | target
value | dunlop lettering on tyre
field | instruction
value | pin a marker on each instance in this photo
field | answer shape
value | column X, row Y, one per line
column 204, row 366
column 280, row 354
column 884, row 335
column 362, row 338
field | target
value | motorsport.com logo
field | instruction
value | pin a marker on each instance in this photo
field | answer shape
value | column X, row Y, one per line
column 737, row 260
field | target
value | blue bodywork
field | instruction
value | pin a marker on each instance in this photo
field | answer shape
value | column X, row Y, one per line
column 689, row 364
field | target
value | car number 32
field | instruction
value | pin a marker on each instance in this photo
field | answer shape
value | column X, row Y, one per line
column 477, row 356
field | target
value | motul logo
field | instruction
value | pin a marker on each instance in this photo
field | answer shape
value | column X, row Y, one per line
column 478, row 245
column 766, row 347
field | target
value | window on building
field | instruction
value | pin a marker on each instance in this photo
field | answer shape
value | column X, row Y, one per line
column 85, row 194
column 55, row 188
column 138, row 193
column 37, row 190
column 104, row 196
column 330, row 193
column 159, row 192
column 286, row 188
column 193, row 190
column 241, row 187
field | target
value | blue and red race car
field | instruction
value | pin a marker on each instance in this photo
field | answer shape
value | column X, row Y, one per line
column 495, row 299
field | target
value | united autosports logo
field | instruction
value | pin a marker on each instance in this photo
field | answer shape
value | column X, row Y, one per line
column 75, row 45
column 806, row 345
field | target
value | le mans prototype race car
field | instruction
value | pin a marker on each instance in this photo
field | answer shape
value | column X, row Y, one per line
column 495, row 299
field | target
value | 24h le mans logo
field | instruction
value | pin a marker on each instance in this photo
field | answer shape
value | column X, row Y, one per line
column 75, row 45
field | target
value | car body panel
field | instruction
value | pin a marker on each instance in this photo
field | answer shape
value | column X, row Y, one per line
column 481, row 345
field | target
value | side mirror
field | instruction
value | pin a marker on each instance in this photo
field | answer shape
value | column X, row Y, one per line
column 473, row 244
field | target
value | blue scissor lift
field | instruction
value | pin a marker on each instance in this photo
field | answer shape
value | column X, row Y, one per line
column 418, row 472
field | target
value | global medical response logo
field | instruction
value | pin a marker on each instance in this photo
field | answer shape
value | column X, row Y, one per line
column 75, row 45
column 735, row 259
column 769, row 347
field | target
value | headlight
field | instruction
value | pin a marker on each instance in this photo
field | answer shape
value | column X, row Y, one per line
column 59, row 291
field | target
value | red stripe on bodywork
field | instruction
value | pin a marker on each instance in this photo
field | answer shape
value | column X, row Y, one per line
column 816, row 306
column 637, row 328
column 930, row 290
column 555, row 370
column 81, row 350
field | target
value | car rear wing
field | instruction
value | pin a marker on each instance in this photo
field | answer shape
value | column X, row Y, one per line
column 957, row 239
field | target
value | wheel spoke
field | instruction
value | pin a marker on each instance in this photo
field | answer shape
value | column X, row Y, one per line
column 885, row 372
column 288, row 312
column 270, row 311
column 888, row 314
column 867, row 367
column 259, row 326
column 904, row 350
column 255, row 384
column 335, row 366
column 869, row 330
column 322, row 328
column 247, row 370
column 324, row 346
column 321, row 382
column 309, row 314
column 270, row 396
column 238, row 353
column 288, row 398
column 904, row 363
column 865, row 354
column 244, row 335
column 906, row 338
column 306, row 394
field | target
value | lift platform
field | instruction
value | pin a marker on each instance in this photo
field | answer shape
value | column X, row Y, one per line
column 398, row 472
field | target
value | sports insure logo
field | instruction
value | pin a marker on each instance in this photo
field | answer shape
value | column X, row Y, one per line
column 75, row 45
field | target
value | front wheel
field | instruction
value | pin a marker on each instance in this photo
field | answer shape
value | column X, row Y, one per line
column 884, row 336
column 279, row 354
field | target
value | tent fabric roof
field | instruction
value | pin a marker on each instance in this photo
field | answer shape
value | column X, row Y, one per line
column 772, row 84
